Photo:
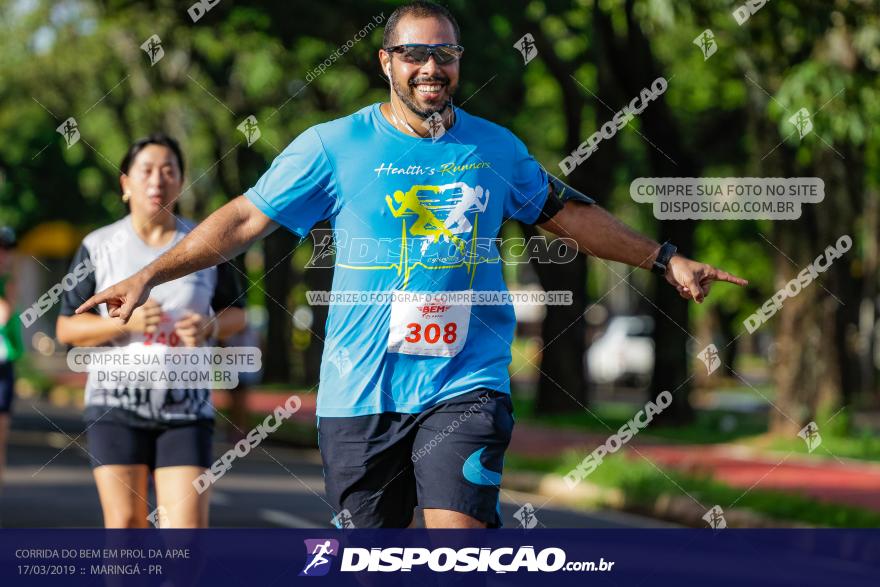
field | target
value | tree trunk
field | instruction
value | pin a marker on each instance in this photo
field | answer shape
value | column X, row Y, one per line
column 729, row 347
column 635, row 67
column 868, row 305
column 562, row 383
column 816, row 364
column 278, row 282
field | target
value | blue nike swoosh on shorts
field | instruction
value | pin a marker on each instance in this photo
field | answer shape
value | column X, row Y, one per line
column 475, row 472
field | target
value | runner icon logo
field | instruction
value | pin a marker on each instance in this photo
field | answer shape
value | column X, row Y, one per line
column 715, row 518
column 342, row 361
column 709, row 356
column 319, row 553
column 706, row 42
column 811, row 436
column 250, row 130
column 153, row 48
column 342, row 519
column 526, row 516
column 526, row 46
column 159, row 517
column 69, row 129
column 802, row 122
column 434, row 125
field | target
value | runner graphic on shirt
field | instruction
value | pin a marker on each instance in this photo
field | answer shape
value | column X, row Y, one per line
column 426, row 224
column 472, row 200
column 464, row 199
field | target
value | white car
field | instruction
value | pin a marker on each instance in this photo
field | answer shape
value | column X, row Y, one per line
column 624, row 353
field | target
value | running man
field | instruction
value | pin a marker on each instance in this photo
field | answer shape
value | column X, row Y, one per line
column 383, row 423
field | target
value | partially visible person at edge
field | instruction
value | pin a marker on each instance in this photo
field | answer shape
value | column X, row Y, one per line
column 10, row 339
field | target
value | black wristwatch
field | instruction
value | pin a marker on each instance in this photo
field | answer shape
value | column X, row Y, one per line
column 667, row 249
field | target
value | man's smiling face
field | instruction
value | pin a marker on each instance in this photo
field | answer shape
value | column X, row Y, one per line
column 426, row 88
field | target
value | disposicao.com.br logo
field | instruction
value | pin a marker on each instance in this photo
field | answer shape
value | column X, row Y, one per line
column 443, row 559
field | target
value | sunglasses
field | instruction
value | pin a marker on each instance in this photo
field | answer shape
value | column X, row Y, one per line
column 416, row 53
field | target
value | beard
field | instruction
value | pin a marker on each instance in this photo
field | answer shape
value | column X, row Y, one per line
column 408, row 94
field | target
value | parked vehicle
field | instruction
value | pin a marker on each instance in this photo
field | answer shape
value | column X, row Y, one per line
column 624, row 353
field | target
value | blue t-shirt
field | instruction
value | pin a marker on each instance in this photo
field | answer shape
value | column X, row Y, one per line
column 413, row 217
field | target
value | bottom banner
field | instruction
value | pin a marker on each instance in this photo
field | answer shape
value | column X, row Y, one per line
column 655, row 558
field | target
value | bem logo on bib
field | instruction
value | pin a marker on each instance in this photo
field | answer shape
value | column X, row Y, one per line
column 433, row 311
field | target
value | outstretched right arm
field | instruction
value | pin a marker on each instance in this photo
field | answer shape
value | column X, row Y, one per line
column 221, row 236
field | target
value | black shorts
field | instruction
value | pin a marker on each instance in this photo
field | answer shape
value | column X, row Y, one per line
column 378, row 468
column 7, row 387
column 114, row 443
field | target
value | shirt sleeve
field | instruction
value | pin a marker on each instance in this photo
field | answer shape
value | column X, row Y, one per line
column 84, row 288
column 298, row 190
column 228, row 293
column 529, row 186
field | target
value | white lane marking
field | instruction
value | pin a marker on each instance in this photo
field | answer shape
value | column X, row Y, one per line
column 218, row 498
column 285, row 519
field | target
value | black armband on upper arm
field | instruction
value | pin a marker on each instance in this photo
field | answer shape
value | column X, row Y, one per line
column 559, row 193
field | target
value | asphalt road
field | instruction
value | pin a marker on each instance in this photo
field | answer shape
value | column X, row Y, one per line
column 48, row 483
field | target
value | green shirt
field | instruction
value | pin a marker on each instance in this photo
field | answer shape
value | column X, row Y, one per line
column 10, row 333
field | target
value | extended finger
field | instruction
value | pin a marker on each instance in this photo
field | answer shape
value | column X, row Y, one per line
column 99, row 298
column 719, row 275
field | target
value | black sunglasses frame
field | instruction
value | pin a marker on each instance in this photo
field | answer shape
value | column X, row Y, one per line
column 432, row 50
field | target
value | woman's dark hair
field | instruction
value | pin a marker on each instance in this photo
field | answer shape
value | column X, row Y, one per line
column 154, row 139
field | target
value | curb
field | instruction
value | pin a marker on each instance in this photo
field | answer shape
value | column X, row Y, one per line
column 676, row 509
